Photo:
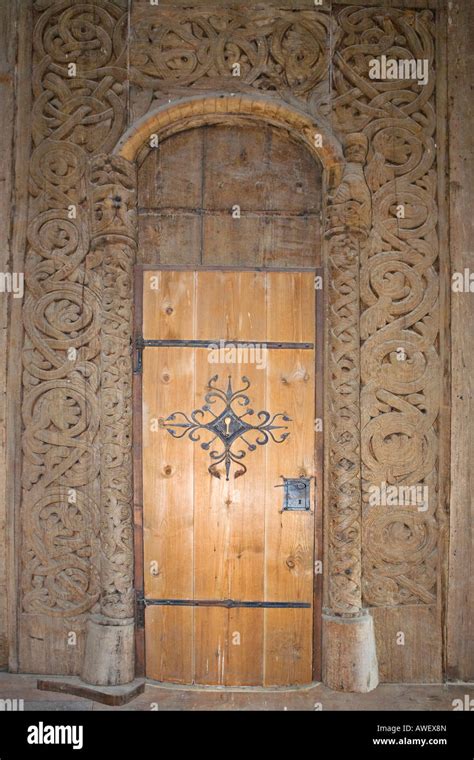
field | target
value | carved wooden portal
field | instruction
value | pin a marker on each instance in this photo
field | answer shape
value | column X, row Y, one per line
column 381, row 421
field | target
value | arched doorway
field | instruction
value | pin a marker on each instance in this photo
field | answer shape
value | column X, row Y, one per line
column 349, row 661
column 230, row 554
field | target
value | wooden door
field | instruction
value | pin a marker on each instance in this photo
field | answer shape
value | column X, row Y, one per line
column 228, row 566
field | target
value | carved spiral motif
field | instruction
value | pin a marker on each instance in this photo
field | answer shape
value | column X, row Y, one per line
column 403, row 541
column 87, row 108
column 61, row 572
column 73, row 117
column 278, row 51
column 399, row 290
column 78, row 292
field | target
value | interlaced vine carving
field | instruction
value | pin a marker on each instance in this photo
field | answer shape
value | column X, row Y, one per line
column 112, row 200
column 75, row 512
column 272, row 51
column 399, row 294
column 76, row 113
column 348, row 220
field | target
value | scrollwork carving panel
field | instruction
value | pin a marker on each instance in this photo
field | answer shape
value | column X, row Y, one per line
column 77, row 111
column 81, row 246
column 400, row 371
column 285, row 52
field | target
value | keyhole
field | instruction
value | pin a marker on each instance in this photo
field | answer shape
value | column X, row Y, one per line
column 227, row 425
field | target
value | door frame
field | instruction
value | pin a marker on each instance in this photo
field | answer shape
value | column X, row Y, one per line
column 139, row 270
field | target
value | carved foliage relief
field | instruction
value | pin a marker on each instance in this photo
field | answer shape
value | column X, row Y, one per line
column 78, row 309
column 399, row 295
column 112, row 203
column 78, row 111
column 284, row 52
column 348, row 222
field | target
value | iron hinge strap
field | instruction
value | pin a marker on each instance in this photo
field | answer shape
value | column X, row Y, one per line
column 229, row 603
column 140, row 344
column 219, row 342
column 140, row 604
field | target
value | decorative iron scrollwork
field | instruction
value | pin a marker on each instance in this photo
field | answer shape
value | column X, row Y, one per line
column 228, row 426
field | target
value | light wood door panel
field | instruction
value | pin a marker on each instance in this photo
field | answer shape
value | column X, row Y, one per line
column 213, row 545
column 231, row 305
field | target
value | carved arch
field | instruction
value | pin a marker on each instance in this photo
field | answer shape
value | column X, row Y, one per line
column 191, row 112
column 347, row 218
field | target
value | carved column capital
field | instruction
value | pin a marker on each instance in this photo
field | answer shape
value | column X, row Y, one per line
column 349, row 204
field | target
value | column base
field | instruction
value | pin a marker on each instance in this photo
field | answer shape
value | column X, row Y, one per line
column 115, row 696
column 109, row 658
column 349, row 653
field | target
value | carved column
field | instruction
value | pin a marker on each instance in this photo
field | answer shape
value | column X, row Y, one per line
column 109, row 656
column 350, row 661
column 401, row 415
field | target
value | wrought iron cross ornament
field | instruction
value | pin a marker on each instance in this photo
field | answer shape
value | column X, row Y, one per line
column 227, row 426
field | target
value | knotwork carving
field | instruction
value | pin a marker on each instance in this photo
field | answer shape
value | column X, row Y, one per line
column 399, row 292
column 86, row 108
column 74, row 115
column 275, row 50
column 77, row 311
column 348, row 218
column 112, row 186
column 63, row 537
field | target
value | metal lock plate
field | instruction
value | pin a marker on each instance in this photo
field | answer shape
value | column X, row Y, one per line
column 297, row 494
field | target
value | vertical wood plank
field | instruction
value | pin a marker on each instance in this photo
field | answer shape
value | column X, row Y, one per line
column 245, row 646
column 210, row 635
column 169, row 651
column 288, row 645
column 168, row 475
column 460, row 621
column 231, row 646
column 168, row 305
column 229, row 515
column 231, row 306
column 289, row 543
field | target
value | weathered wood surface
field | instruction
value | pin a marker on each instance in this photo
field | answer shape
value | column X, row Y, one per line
column 460, row 598
column 399, row 298
column 409, row 645
column 8, row 57
column 68, row 285
column 190, row 186
column 399, row 436
column 397, row 697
